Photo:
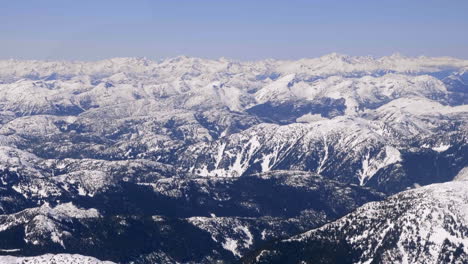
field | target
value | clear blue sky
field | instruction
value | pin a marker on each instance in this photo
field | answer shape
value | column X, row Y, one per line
column 91, row 30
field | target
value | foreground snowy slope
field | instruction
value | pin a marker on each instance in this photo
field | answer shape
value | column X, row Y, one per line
column 424, row 225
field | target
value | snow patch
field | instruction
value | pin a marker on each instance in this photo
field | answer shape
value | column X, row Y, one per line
column 231, row 245
column 441, row 148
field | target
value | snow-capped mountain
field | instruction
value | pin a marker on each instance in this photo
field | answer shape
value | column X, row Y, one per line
column 371, row 148
column 234, row 154
column 424, row 225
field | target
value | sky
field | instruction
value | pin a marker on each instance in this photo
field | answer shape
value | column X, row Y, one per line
column 242, row 29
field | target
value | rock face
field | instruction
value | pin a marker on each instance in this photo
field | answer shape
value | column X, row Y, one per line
column 206, row 160
column 424, row 225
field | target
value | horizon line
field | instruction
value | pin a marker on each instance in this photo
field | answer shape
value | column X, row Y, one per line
column 161, row 59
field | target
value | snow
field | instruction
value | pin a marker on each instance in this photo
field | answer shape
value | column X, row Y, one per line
column 242, row 158
column 10, row 250
column 462, row 175
column 50, row 258
column 430, row 215
column 219, row 155
column 231, row 245
column 249, row 241
column 267, row 161
column 370, row 166
column 41, row 223
column 441, row 148
column 309, row 118
column 276, row 89
column 324, row 158
column 421, row 106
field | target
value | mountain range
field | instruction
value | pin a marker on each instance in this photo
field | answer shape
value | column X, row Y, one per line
column 336, row 159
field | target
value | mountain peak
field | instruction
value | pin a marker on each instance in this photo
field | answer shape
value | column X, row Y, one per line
column 334, row 56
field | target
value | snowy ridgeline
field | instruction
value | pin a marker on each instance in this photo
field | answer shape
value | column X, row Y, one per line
column 48, row 87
